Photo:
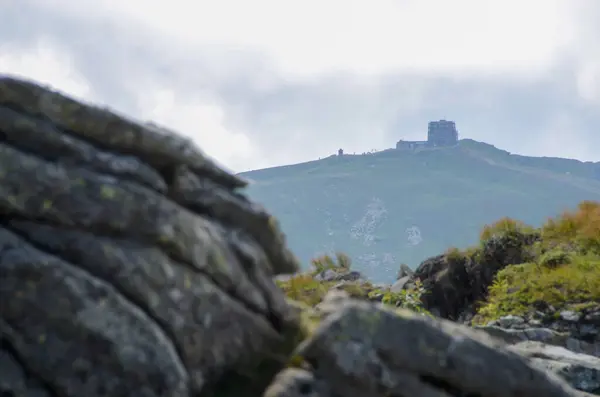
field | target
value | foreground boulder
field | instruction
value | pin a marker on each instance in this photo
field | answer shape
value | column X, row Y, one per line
column 129, row 262
column 362, row 349
column 577, row 332
column 582, row 371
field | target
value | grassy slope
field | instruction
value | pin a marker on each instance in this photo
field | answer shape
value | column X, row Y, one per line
column 562, row 271
column 447, row 193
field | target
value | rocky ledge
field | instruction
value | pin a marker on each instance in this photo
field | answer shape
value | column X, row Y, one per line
column 132, row 265
column 365, row 349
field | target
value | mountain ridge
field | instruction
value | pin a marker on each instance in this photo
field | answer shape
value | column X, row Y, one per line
column 402, row 206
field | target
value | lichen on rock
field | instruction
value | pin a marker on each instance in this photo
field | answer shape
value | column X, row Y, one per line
column 129, row 261
column 365, row 349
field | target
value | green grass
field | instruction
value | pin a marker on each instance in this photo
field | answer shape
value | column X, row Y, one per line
column 447, row 193
column 305, row 290
column 564, row 273
column 562, row 269
column 520, row 288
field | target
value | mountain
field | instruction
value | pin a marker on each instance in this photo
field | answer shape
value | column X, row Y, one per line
column 403, row 206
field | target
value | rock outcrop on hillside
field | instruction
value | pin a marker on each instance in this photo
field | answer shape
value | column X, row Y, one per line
column 131, row 265
column 454, row 283
column 568, row 346
column 362, row 349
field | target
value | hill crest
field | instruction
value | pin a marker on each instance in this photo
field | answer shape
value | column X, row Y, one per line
column 402, row 206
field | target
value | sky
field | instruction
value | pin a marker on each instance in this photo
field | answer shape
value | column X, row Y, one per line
column 269, row 82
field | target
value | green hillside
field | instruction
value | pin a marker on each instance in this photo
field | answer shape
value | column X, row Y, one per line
column 396, row 206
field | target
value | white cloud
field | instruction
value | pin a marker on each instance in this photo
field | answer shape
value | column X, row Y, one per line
column 202, row 122
column 255, row 83
column 561, row 139
column 45, row 64
column 588, row 81
column 312, row 36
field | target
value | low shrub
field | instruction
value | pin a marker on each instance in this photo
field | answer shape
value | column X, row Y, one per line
column 505, row 226
column 307, row 290
column 341, row 263
column 580, row 228
column 562, row 269
column 563, row 285
column 453, row 254
column 406, row 299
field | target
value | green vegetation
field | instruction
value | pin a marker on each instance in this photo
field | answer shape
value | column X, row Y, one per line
column 368, row 205
column 454, row 254
column 305, row 289
column 507, row 227
column 560, row 269
column 406, row 299
column 564, row 270
column 341, row 264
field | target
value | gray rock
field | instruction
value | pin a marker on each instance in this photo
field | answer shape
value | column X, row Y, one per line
column 519, row 335
column 590, row 331
column 295, row 382
column 570, row 316
column 130, row 263
column 594, row 317
column 579, row 346
column 331, row 302
column 399, row 285
column 510, row 321
column 404, row 271
column 545, row 335
column 332, row 275
column 580, row 370
column 14, row 380
column 364, row 349
column 156, row 145
column 453, row 285
column 350, row 276
column 327, row 275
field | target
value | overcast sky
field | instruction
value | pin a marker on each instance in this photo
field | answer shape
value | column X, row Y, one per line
column 267, row 82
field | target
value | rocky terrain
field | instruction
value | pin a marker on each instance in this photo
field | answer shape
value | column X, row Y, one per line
column 131, row 265
column 537, row 290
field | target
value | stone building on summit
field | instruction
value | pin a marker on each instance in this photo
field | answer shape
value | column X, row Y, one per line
column 442, row 133
column 439, row 133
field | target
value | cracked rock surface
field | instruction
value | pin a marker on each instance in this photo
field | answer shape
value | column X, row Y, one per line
column 130, row 263
column 363, row 349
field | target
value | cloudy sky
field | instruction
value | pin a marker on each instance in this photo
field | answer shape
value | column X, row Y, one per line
column 267, row 82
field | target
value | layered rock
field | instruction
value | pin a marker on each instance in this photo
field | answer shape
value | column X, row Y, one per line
column 567, row 344
column 362, row 349
column 582, row 371
column 578, row 332
column 129, row 262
